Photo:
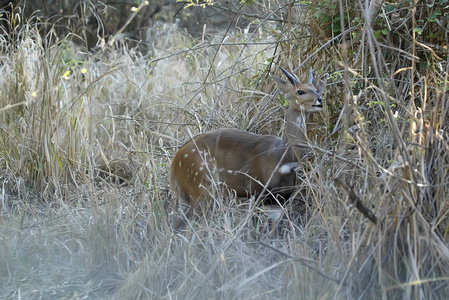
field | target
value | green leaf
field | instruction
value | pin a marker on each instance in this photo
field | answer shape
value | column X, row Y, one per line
column 377, row 34
column 389, row 8
column 336, row 27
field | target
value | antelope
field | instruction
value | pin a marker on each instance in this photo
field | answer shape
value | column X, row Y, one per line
column 247, row 163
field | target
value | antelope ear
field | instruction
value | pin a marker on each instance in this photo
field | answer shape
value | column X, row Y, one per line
column 322, row 84
column 282, row 85
column 310, row 76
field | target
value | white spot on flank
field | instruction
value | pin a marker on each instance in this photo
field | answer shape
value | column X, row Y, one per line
column 229, row 171
column 220, row 169
column 186, row 155
column 193, row 150
column 196, row 174
column 179, row 164
column 201, row 169
column 284, row 169
column 287, row 168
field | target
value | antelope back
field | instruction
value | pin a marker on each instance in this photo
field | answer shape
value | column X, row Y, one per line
column 243, row 161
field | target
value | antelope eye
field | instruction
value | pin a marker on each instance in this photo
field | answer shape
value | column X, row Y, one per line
column 299, row 92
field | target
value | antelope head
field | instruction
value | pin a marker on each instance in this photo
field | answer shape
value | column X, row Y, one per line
column 305, row 97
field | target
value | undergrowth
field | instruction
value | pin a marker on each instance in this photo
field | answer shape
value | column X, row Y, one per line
column 87, row 137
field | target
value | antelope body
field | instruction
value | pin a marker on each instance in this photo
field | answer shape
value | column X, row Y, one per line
column 246, row 162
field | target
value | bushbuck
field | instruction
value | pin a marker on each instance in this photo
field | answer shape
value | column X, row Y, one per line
column 244, row 162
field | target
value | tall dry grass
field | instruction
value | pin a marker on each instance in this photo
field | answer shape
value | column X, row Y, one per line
column 86, row 141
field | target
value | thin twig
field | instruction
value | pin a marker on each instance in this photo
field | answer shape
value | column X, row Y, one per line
column 231, row 72
column 356, row 200
column 111, row 42
column 302, row 260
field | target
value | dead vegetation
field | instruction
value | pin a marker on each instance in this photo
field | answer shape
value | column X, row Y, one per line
column 86, row 140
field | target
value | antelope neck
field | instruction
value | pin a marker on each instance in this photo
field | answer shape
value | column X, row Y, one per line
column 296, row 126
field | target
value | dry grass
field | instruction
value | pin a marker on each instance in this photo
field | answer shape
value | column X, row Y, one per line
column 85, row 207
